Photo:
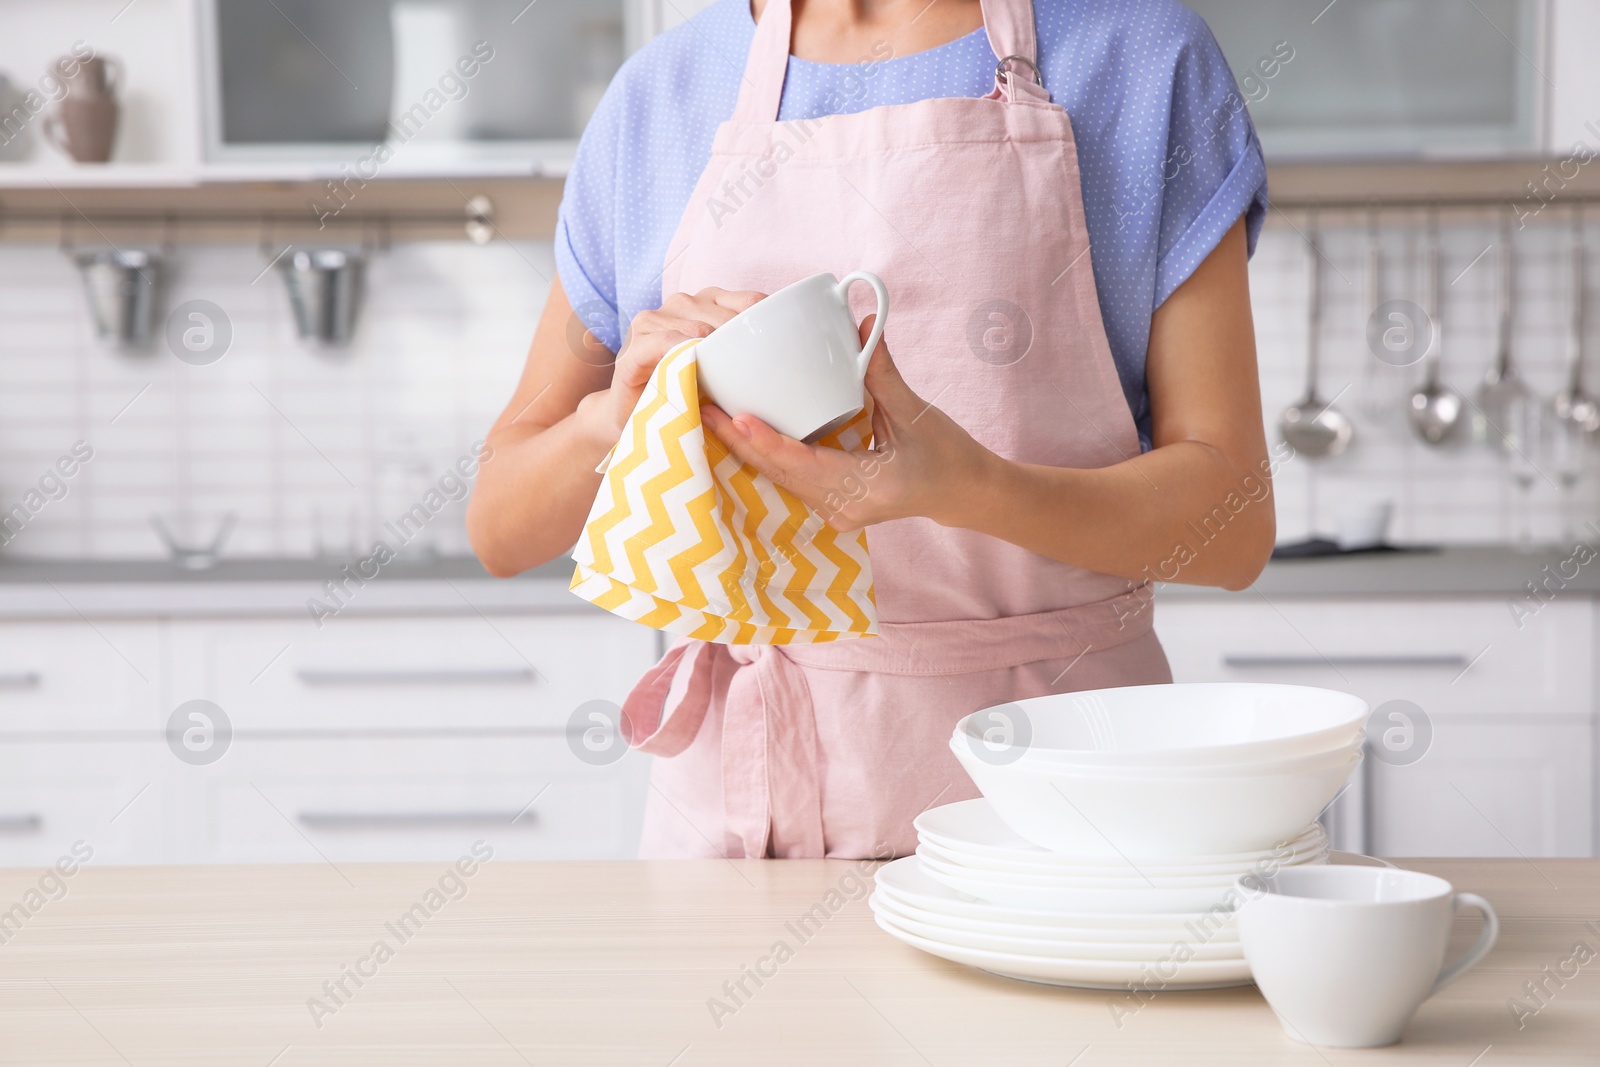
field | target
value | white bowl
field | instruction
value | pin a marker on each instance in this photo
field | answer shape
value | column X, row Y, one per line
column 1130, row 817
column 971, row 831
column 1185, row 724
column 1301, row 764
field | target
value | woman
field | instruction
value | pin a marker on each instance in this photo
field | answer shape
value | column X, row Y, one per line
column 1065, row 402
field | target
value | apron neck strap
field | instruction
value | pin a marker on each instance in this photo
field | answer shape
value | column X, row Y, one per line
column 1008, row 23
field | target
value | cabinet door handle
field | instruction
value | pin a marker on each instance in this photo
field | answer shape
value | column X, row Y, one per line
column 412, row 820
column 20, row 680
column 1443, row 661
column 400, row 676
column 20, row 825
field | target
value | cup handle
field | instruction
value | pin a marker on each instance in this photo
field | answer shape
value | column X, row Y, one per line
column 51, row 128
column 1480, row 948
column 843, row 289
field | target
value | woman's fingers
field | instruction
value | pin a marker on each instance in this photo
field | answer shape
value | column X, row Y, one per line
column 892, row 397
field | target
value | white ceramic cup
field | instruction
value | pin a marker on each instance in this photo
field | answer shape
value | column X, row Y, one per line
column 795, row 359
column 1365, row 525
column 1346, row 955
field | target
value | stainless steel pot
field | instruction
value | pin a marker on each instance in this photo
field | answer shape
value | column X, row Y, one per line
column 325, row 292
column 121, row 287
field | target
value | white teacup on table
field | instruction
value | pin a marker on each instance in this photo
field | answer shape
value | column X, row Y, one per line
column 1345, row 955
column 795, row 359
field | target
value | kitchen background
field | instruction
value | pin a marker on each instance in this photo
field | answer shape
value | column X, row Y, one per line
column 437, row 699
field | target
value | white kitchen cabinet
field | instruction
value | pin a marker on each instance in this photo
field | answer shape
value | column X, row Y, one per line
column 114, row 796
column 372, row 738
column 66, row 676
column 374, row 799
column 386, row 674
column 1509, row 767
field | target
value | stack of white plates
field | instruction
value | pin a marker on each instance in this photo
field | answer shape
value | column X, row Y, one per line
column 978, row 894
column 1114, row 826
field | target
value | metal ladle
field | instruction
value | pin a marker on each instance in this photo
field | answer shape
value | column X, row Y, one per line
column 1313, row 427
column 1434, row 409
column 1572, row 404
column 1502, row 391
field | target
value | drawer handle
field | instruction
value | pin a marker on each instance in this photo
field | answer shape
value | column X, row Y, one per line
column 20, row 680
column 1443, row 661
column 485, row 676
column 20, row 825
column 412, row 820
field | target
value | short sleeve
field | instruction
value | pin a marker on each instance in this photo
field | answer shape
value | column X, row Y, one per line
column 585, row 235
column 1214, row 170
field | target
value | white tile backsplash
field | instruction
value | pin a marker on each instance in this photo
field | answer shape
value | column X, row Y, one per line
column 306, row 445
column 292, row 439
column 1457, row 494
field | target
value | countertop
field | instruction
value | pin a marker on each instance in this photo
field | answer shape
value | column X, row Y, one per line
column 458, row 585
column 616, row 963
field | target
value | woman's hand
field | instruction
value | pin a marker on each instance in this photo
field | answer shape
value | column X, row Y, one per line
column 921, row 462
column 681, row 317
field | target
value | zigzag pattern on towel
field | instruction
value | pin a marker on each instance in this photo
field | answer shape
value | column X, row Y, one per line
column 686, row 538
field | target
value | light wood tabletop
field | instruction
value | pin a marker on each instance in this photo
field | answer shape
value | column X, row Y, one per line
column 627, row 963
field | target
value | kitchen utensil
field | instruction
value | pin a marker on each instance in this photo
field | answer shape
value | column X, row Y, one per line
column 1374, row 403
column 191, row 554
column 84, row 123
column 1174, row 969
column 324, row 292
column 1502, row 390
column 794, row 359
column 1189, row 724
column 1313, row 427
column 1090, row 814
column 1346, row 955
column 970, row 832
column 1365, row 524
column 121, row 287
column 1434, row 410
column 1526, row 426
column 1572, row 405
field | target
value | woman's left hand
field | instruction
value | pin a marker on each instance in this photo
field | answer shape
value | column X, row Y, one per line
column 921, row 462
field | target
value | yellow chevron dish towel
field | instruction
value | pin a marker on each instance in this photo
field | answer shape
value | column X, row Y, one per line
column 686, row 538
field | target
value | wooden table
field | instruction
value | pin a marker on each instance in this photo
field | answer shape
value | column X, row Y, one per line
column 620, row 963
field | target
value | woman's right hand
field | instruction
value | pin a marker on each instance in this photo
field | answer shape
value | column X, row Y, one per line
column 681, row 317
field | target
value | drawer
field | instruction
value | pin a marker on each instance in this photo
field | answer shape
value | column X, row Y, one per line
column 111, row 796
column 1488, row 790
column 59, row 676
column 1448, row 656
column 315, row 801
column 412, row 673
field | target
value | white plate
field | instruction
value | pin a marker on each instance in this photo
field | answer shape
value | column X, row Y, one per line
column 907, row 883
column 1005, row 890
column 1194, row 929
column 972, row 827
column 1066, row 877
column 955, row 932
column 1159, row 972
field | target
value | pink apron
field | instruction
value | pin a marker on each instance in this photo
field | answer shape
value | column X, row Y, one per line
column 970, row 211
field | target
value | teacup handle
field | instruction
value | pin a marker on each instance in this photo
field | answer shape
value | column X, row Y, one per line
column 843, row 289
column 1480, row 948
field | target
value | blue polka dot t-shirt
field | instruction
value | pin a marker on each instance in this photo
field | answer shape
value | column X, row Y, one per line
column 1168, row 156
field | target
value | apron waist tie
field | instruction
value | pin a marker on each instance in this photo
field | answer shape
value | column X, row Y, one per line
column 769, row 738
